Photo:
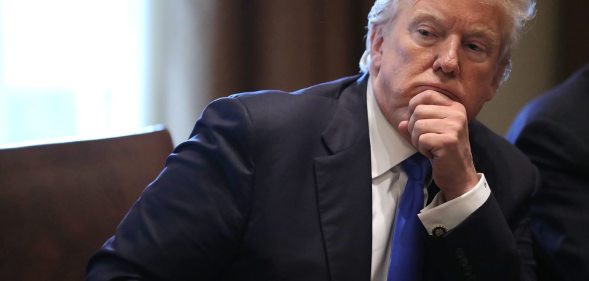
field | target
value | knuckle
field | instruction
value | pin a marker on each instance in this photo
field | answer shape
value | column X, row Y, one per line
column 419, row 125
column 451, row 140
column 455, row 127
column 426, row 139
column 418, row 110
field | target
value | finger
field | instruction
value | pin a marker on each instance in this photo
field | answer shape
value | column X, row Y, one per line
column 436, row 145
column 428, row 126
column 440, row 123
column 426, row 111
column 442, row 119
column 424, row 144
column 436, row 120
column 429, row 97
column 442, row 133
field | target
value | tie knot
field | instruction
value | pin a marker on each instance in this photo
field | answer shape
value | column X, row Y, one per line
column 417, row 167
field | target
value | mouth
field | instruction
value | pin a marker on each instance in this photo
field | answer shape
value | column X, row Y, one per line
column 438, row 88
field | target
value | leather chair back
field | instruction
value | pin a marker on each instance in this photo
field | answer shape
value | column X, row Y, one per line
column 59, row 202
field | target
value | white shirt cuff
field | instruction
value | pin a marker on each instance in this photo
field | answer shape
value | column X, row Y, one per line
column 449, row 214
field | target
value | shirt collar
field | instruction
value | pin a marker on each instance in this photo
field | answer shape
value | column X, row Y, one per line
column 387, row 147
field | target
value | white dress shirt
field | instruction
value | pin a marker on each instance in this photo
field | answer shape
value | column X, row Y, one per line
column 387, row 150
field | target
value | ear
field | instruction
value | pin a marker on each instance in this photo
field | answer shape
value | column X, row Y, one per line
column 376, row 44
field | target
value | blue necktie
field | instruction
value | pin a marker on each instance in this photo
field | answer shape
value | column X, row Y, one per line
column 407, row 239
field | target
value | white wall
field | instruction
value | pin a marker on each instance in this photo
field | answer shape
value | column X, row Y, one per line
column 179, row 84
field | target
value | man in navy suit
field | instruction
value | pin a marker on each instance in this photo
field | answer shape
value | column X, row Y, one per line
column 552, row 131
column 308, row 185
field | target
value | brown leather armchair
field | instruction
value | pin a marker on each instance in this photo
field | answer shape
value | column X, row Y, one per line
column 59, row 202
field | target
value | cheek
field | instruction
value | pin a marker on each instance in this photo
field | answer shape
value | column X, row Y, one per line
column 479, row 88
column 477, row 100
column 412, row 62
column 398, row 64
column 402, row 52
column 480, row 80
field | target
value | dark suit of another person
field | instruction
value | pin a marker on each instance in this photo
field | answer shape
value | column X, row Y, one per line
column 553, row 130
column 277, row 186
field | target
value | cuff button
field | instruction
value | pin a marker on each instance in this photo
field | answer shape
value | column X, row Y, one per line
column 439, row 231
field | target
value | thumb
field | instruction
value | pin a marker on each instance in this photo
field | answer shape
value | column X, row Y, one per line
column 403, row 129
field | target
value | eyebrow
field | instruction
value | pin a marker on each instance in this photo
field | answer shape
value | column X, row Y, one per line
column 427, row 16
column 478, row 31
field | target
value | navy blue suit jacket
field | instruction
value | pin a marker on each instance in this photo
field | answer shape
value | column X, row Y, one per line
column 553, row 131
column 277, row 186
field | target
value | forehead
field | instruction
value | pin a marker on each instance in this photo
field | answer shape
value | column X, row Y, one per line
column 478, row 16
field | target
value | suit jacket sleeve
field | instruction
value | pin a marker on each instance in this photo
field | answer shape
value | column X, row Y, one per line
column 494, row 242
column 187, row 224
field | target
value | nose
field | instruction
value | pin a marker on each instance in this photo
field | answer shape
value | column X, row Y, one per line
column 446, row 60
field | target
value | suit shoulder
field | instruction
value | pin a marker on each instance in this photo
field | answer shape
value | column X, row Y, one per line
column 313, row 102
column 275, row 112
column 330, row 90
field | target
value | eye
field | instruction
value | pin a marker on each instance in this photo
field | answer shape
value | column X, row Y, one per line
column 476, row 51
column 423, row 32
column 474, row 47
column 424, row 35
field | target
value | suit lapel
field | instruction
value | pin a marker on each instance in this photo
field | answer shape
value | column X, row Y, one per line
column 344, row 188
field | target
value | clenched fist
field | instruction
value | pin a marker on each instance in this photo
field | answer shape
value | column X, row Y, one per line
column 438, row 128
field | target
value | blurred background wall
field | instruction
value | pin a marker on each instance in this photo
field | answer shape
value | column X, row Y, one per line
column 208, row 49
column 194, row 51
